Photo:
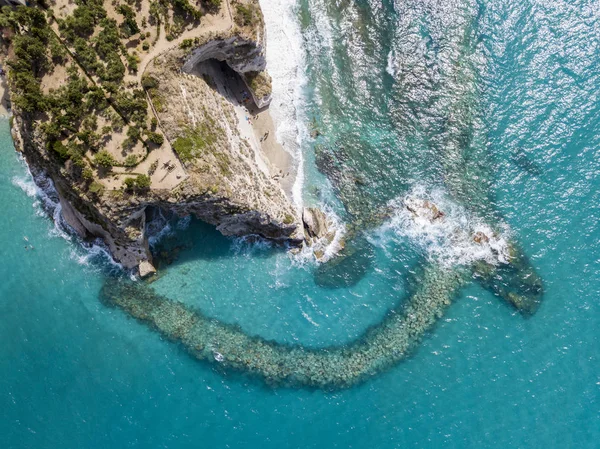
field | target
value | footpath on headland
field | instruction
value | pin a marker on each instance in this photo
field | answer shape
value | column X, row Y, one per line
column 256, row 125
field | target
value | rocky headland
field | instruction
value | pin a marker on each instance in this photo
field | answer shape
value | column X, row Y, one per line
column 130, row 107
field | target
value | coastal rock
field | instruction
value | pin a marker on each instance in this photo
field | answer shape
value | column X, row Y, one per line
column 242, row 55
column 196, row 154
column 315, row 222
column 480, row 237
column 423, row 209
column 146, row 269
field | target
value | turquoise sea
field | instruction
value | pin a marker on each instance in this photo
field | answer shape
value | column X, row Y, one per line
column 491, row 108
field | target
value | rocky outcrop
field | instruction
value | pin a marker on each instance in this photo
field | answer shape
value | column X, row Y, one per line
column 119, row 218
column 244, row 56
column 228, row 185
column 315, row 222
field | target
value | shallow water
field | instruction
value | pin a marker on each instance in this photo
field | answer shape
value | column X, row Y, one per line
column 76, row 373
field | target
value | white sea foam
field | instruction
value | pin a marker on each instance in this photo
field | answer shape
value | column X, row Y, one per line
column 449, row 239
column 286, row 65
column 392, row 63
column 46, row 203
column 328, row 247
column 158, row 227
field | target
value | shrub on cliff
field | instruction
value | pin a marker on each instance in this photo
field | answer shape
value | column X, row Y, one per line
column 186, row 44
column 96, row 188
column 129, row 27
column 245, row 15
column 212, row 5
column 59, row 148
column 149, row 82
column 104, row 159
column 156, row 138
column 87, row 174
column 185, row 8
column 140, row 182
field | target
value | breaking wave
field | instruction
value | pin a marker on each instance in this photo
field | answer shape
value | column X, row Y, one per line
column 327, row 247
column 286, row 63
column 46, row 203
column 453, row 237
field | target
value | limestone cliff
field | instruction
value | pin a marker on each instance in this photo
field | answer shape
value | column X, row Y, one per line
column 174, row 133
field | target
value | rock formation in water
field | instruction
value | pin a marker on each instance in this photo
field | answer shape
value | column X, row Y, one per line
column 123, row 131
column 128, row 108
column 277, row 364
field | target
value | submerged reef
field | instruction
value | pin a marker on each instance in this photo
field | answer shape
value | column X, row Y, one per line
column 379, row 348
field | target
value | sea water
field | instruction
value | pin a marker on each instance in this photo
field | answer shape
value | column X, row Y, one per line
column 76, row 372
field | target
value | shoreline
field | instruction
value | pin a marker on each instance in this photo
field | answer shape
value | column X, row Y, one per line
column 285, row 171
column 285, row 56
column 253, row 125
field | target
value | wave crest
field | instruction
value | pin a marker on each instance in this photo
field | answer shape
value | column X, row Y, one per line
column 446, row 232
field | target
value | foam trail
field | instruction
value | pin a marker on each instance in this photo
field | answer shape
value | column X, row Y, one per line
column 392, row 64
column 448, row 241
column 40, row 187
column 286, row 63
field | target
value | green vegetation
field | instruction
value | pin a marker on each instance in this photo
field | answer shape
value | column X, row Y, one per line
column 186, row 43
column 129, row 27
column 83, row 20
column 140, row 182
column 109, row 47
column 30, row 43
column 246, row 15
column 132, row 61
column 103, row 57
column 212, row 5
column 87, row 174
column 133, row 135
column 96, row 188
column 132, row 105
column 200, row 141
column 104, row 159
column 183, row 13
column 156, row 138
column 288, row 219
column 185, row 9
column 131, row 161
column 149, row 82
column 153, row 167
column 61, row 149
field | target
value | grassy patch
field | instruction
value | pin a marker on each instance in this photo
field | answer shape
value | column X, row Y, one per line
column 198, row 141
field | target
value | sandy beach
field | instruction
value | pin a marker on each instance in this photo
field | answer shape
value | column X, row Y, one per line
column 282, row 161
column 255, row 125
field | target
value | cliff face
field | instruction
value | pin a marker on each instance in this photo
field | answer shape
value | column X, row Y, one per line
column 245, row 56
column 206, row 163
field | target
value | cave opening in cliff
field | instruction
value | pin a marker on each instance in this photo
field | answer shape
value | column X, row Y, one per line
column 227, row 82
column 175, row 239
